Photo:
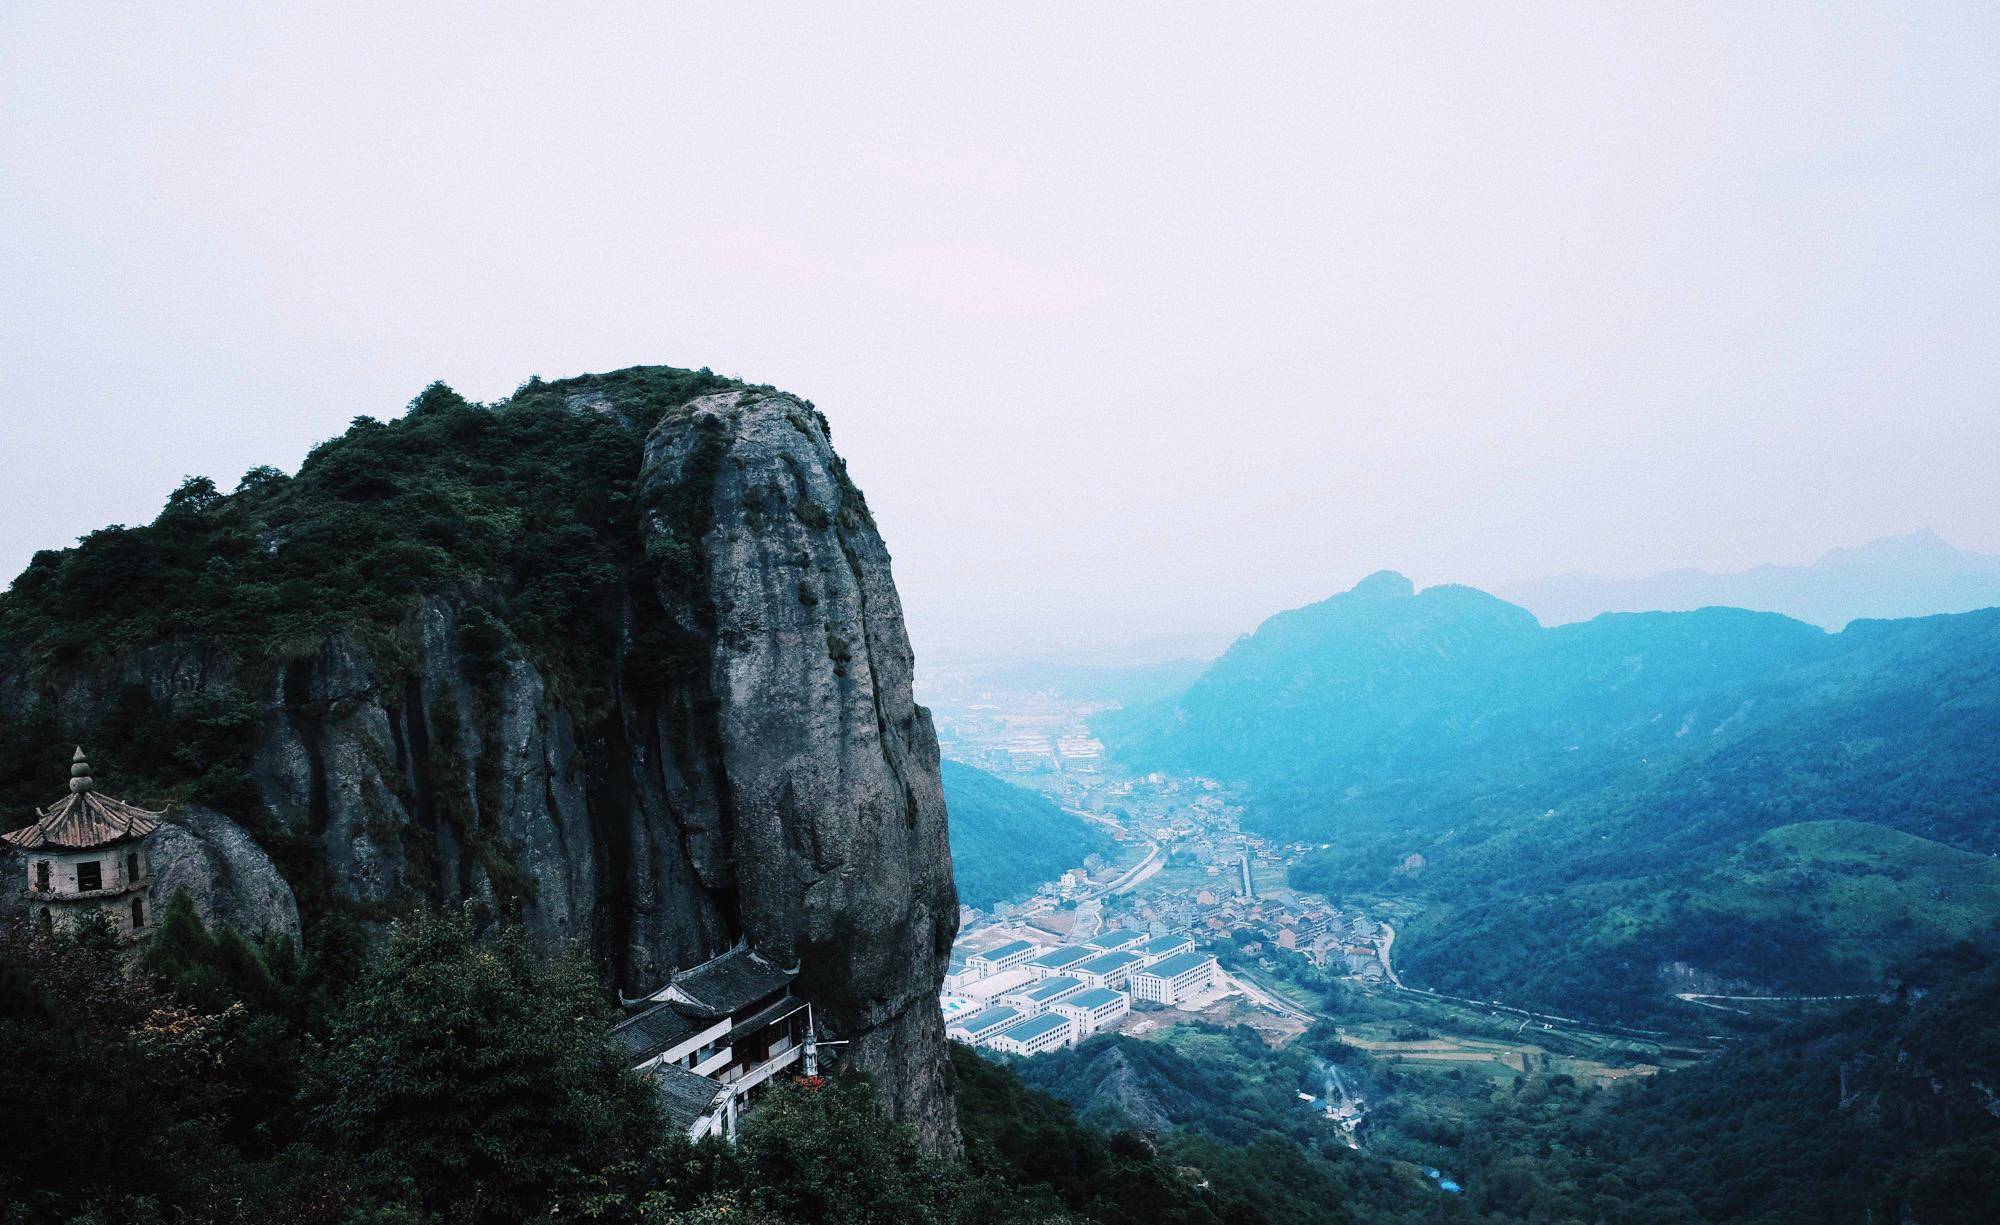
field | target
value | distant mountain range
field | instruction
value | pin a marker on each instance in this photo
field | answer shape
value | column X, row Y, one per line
column 1898, row 576
column 1590, row 812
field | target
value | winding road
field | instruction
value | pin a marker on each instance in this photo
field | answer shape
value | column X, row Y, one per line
column 1695, row 997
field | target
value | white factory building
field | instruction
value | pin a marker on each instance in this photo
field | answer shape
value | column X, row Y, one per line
column 1049, row 1032
column 1111, row 970
column 1059, row 960
column 1159, row 948
column 1037, row 998
column 1174, row 979
column 1117, row 938
column 1094, row 1009
column 985, row 1023
column 1003, row 957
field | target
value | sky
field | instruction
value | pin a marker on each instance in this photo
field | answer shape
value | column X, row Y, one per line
column 1136, row 323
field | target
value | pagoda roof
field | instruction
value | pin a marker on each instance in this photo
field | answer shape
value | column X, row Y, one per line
column 83, row 820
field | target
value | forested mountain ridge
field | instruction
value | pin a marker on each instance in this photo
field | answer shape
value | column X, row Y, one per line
column 1538, row 787
column 618, row 659
column 1006, row 840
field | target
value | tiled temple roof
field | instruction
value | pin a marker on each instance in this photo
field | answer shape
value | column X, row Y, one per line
column 656, row 1030
column 684, row 1096
column 729, row 983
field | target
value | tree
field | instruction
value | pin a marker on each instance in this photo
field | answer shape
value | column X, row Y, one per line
column 90, row 1051
column 473, row 1077
column 194, row 495
column 823, row 1151
column 181, row 950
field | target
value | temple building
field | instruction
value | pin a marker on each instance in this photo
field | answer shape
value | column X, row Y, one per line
column 87, row 853
column 714, row 1034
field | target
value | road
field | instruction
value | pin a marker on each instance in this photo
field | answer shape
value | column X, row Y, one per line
column 1275, row 1003
column 1527, row 1015
column 1388, row 942
column 1133, row 877
column 1141, row 874
column 1694, row 997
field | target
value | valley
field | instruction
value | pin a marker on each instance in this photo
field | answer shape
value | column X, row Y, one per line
column 1292, row 962
column 1564, row 912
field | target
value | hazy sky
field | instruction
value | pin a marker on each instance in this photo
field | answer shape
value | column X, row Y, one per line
column 1130, row 320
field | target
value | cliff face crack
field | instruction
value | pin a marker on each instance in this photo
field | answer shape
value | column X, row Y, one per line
column 423, row 783
column 308, row 723
column 611, row 802
column 890, row 755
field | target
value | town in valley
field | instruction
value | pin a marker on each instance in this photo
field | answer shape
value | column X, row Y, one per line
column 1191, row 920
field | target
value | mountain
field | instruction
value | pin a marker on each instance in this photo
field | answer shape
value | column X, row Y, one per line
column 1898, row 576
column 1006, row 840
column 1575, row 812
column 619, row 659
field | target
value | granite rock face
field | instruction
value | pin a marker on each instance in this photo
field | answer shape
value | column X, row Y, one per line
column 834, row 840
column 229, row 877
column 773, row 780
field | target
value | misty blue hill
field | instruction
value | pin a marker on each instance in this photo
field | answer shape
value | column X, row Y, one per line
column 1564, row 801
column 1900, row 576
column 1384, row 698
column 1006, row 840
column 1125, row 684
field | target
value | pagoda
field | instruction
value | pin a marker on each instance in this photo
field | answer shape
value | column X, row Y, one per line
column 87, row 852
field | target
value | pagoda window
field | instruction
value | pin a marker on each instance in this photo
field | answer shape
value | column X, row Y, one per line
column 89, row 875
column 138, row 913
column 131, row 868
column 42, row 876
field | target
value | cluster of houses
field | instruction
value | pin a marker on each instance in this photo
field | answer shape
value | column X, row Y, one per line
column 1334, row 941
column 1022, row 999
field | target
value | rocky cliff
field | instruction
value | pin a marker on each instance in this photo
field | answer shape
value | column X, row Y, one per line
column 713, row 738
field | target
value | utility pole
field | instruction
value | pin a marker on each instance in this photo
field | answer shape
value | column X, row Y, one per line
column 813, row 1044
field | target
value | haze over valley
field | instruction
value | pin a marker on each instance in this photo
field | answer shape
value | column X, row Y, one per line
column 1015, row 615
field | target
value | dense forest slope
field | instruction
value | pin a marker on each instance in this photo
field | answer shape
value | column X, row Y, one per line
column 1568, row 800
column 618, row 659
column 1006, row 840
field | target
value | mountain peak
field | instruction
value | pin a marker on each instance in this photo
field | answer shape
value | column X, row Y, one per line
column 1384, row 584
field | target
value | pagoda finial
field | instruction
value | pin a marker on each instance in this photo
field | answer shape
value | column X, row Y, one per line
column 79, row 773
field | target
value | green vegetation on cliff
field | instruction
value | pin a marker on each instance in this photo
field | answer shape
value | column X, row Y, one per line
column 529, row 498
column 525, row 511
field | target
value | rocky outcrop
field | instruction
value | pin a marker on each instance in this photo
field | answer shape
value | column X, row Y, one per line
column 746, row 761
column 231, row 880
column 831, row 826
